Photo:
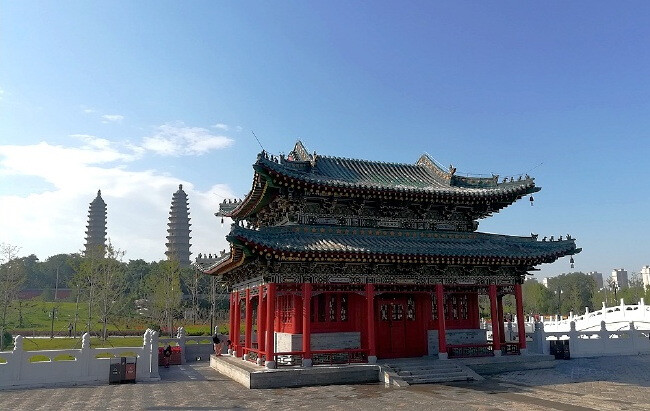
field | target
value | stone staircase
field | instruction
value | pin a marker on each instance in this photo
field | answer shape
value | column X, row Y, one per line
column 406, row 372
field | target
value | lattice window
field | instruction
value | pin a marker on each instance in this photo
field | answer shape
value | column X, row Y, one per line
column 434, row 306
column 332, row 308
column 397, row 312
column 286, row 309
column 464, row 307
column 383, row 312
column 454, row 307
column 344, row 308
column 410, row 309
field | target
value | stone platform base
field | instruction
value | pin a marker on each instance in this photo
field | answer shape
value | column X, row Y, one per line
column 253, row 376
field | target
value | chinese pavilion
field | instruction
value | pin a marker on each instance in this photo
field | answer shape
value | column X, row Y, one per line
column 340, row 260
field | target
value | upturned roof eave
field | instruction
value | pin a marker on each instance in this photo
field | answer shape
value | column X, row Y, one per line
column 284, row 175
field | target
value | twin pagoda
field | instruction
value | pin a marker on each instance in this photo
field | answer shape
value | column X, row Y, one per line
column 341, row 260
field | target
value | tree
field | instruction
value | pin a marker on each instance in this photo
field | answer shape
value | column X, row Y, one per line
column 136, row 273
column 164, row 292
column 572, row 292
column 110, row 284
column 634, row 292
column 12, row 276
column 195, row 283
column 537, row 298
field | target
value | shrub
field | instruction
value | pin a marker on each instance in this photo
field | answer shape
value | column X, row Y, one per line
column 7, row 340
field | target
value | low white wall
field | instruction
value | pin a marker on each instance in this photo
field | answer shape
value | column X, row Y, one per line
column 601, row 343
column 456, row 337
column 286, row 342
column 85, row 367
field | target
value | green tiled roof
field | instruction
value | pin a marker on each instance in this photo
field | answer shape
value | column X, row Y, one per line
column 301, row 239
column 424, row 176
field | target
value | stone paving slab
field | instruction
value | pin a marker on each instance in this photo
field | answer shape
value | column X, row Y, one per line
column 611, row 383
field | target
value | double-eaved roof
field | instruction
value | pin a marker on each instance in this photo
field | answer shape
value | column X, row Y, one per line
column 372, row 245
column 422, row 181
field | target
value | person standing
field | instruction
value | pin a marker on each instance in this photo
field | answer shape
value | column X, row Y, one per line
column 217, row 344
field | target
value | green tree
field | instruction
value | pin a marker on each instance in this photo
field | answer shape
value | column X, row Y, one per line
column 537, row 298
column 12, row 276
column 634, row 292
column 164, row 293
column 572, row 292
column 136, row 273
column 110, row 284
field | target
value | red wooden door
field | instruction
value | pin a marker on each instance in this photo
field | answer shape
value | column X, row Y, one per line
column 399, row 327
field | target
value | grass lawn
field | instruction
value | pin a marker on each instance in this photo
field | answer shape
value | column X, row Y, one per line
column 37, row 344
column 37, row 315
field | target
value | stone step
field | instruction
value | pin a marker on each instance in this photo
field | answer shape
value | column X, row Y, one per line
column 434, row 374
column 433, row 380
column 413, row 373
column 423, row 367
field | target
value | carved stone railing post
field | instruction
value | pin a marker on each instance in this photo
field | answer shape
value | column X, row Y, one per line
column 85, row 360
column 17, row 357
column 603, row 335
column 181, row 335
column 634, row 335
column 541, row 346
column 144, row 363
column 153, row 372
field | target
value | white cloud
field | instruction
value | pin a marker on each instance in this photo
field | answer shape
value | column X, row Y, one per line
column 112, row 118
column 1, row 93
column 176, row 139
column 221, row 126
column 54, row 220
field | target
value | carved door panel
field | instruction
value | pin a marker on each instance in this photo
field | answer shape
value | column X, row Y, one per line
column 391, row 329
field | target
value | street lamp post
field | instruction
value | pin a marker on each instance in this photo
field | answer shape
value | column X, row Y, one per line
column 559, row 301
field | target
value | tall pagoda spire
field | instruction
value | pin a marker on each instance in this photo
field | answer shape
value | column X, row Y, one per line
column 178, row 238
column 96, row 228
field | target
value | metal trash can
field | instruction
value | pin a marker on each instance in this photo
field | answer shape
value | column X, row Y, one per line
column 129, row 364
column 565, row 350
column 560, row 349
column 115, row 371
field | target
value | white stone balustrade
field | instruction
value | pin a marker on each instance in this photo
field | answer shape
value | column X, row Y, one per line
column 75, row 366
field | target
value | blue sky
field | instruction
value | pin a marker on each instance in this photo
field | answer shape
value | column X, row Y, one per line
column 135, row 98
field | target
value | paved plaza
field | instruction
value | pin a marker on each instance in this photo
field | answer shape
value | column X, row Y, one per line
column 606, row 383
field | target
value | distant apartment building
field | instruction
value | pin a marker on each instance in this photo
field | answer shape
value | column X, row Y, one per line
column 645, row 274
column 545, row 282
column 598, row 278
column 619, row 277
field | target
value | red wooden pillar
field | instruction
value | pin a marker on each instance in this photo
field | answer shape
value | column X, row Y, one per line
column 306, row 324
column 494, row 314
column 442, row 332
column 270, row 325
column 232, row 321
column 237, row 328
column 521, row 327
column 370, row 312
column 249, row 320
column 502, row 328
column 261, row 321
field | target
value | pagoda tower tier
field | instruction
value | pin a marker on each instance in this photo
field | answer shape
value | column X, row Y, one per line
column 178, row 238
column 348, row 260
column 96, row 228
